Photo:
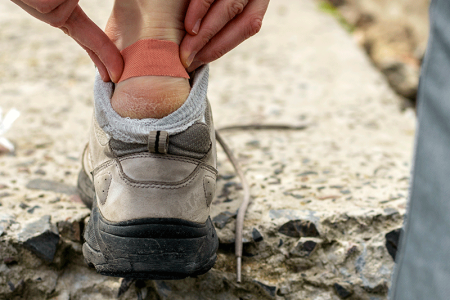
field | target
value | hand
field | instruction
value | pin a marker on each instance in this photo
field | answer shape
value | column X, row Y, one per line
column 68, row 16
column 216, row 26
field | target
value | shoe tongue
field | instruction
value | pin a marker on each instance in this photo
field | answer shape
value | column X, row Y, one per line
column 194, row 142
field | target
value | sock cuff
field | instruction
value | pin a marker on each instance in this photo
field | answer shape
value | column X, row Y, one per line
column 152, row 58
column 136, row 130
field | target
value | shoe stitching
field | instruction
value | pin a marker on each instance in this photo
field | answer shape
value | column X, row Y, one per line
column 187, row 160
column 103, row 166
column 150, row 155
column 152, row 184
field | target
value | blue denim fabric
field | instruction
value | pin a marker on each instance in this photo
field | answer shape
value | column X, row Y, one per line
column 423, row 264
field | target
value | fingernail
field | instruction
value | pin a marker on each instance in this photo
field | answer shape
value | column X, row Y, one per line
column 191, row 58
column 195, row 65
column 110, row 76
column 197, row 26
column 103, row 75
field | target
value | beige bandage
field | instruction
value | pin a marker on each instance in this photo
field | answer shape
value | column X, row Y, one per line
column 152, row 58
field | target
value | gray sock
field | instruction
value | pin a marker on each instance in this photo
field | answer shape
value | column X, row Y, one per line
column 136, row 131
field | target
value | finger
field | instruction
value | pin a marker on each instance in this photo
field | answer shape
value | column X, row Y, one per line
column 195, row 64
column 59, row 16
column 90, row 36
column 98, row 63
column 44, row 7
column 235, row 32
column 195, row 13
column 218, row 16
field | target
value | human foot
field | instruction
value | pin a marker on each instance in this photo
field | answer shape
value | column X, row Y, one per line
column 133, row 20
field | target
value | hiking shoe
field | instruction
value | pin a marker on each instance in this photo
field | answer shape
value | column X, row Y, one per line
column 150, row 203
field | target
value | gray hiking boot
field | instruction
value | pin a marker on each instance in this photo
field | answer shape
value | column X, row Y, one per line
column 150, row 203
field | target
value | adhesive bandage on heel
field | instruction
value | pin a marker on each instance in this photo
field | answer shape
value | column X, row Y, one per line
column 152, row 58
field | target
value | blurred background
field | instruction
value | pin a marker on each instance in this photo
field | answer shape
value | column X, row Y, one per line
column 394, row 34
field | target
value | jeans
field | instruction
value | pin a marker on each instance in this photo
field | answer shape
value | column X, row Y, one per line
column 423, row 264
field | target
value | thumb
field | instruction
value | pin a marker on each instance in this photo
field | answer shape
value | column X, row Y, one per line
column 98, row 45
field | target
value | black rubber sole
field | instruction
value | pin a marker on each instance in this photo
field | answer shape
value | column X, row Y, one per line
column 158, row 249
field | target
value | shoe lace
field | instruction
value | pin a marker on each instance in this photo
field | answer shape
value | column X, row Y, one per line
column 246, row 201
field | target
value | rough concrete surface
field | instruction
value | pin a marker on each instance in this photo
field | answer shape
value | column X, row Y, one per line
column 323, row 198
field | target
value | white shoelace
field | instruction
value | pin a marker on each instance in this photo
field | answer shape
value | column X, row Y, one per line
column 246, row 201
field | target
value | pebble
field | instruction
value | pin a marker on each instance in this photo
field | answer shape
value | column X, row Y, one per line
column 226, row 177
column 269, row 289
column 5, row 221
column 23, row 205
column 226, row 189
column 57, row 199
column 338, row 187
column 54, row 186
column 328, row 197
column 222, row 219
column 296, row 196
column 307, row 173
column 254, row 143
column 342, row 291
column 256, row 235
column 304, row 248
column 392, row 239
column 274, row 181
column 41, row 237
column 4, row 194
column 299, row 228
column 40, row 172
column 31, row 210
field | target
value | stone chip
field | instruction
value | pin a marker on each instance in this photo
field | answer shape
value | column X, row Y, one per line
column 222, row 219
column 256, row 235
column 392, row 239
column 49, row 185
column 299, row 228
column 41, row 237
column 342, row 290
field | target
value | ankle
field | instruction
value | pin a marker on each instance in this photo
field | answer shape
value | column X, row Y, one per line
column 148, row 96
